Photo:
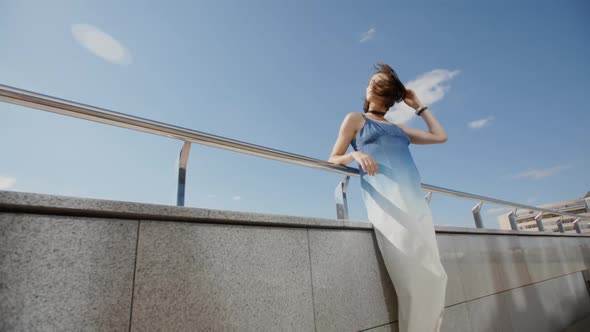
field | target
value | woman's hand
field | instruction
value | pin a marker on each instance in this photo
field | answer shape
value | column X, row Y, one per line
column 368, row 163
column 411, row 99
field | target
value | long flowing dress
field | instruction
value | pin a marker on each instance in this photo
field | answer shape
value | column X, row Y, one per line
column 402, row 221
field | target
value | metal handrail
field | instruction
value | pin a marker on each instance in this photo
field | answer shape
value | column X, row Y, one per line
column 65, row 107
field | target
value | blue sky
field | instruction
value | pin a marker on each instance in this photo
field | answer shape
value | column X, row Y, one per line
column 506, row 80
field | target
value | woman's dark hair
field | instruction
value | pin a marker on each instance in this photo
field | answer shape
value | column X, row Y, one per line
column 392, row 88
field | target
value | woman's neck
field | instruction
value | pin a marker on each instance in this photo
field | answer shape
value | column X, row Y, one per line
column 376, row 114
column 378, row 108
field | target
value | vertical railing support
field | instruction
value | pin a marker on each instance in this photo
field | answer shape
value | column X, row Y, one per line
column 182, row 162
column 577, row 226
column 340, row 196
column 477, row 215
column 539, row 220
column 428, row 197
column 512, row 218
column 560, row 225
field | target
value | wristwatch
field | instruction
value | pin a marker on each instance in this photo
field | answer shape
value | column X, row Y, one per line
column 420, row 110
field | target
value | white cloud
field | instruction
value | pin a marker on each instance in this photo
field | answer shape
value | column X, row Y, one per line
column 6, row 182
column 480, row 123
column 211, row 195
column 429, row 88
column 542, row 173
column 101, row 44
column 237, row 198
column 368, row 35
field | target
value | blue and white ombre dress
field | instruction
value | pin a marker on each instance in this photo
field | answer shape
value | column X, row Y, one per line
column 403, row 225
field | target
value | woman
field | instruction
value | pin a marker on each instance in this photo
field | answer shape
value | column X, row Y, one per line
column 392, row 193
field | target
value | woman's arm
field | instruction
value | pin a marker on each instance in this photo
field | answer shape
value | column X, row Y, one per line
column 435, row 134
column 345, row 136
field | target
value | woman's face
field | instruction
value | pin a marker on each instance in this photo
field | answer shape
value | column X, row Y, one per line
column 370, row 94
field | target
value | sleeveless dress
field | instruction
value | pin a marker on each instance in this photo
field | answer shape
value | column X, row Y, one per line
column 402, row 221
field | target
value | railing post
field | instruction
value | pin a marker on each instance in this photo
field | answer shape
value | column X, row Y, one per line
column 577, row 226
column 340, row 196
column 560, row 225
column 182, row 162
column 477, row 215
column 539, row 220
column 429, row 197
column 512, row 218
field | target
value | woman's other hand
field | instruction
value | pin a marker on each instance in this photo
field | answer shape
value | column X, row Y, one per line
column 411, row 99
column 368, row 163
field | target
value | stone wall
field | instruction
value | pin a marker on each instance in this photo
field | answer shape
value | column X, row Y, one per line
column 86, row 264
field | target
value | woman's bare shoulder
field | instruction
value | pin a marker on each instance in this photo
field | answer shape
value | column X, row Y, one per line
column 354, row 119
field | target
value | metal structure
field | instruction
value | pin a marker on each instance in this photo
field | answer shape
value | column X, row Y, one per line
column 65, row 107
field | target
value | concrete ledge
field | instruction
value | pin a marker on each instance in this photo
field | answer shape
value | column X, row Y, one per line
column 24, row 202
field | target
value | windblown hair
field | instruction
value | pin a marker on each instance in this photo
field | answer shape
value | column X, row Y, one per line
column 392, row 89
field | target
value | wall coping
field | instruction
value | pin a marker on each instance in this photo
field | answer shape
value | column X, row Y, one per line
column 36, row 203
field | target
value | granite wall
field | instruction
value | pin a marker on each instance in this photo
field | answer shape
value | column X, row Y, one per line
column 86, row 264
